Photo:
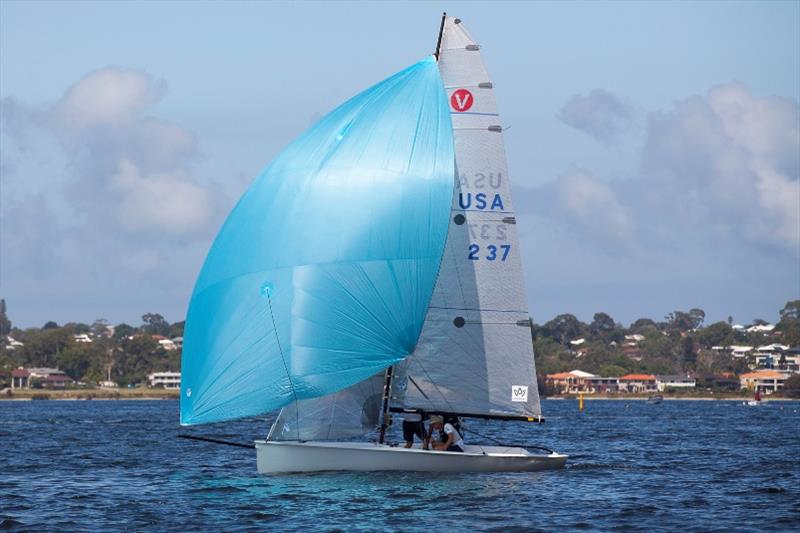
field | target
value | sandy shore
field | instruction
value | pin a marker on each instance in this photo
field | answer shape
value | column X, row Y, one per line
column 89, row 394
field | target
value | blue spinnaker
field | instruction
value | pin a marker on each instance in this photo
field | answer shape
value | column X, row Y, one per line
column 322, row 274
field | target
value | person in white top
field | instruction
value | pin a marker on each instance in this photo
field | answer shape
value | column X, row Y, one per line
column 451, row 441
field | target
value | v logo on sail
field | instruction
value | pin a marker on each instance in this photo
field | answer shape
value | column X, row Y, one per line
column 461, row 100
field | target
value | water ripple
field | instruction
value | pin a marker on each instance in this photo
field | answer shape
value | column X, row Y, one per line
column 710, row 466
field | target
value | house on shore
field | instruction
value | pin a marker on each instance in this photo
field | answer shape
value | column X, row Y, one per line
column 48, row 378
column 597, row 384
column 664, row 383
column 638, row 383
column 766, row 381
column 20, row 378
column 168, row 380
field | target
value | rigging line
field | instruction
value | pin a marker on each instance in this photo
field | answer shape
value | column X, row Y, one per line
column 285, row 366
column 484, row 436
column 418, row 388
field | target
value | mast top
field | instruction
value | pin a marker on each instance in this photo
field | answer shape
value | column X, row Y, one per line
column 439, row 40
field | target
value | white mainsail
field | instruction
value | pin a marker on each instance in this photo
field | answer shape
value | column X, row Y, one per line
column 475, row 353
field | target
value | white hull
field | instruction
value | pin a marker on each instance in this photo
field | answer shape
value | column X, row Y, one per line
column 283, row 457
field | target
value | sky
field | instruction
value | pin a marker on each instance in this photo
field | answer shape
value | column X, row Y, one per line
column 654, row 148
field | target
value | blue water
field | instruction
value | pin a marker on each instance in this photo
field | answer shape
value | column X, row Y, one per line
column 112, row 465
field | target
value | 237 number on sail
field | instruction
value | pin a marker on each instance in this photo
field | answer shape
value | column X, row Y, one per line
column 490, row 253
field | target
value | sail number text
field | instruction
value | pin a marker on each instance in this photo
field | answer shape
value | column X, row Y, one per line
column 491, row 252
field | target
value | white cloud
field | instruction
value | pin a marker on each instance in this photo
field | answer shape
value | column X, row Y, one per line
column 167, row 203
column 110, row 95
column 729, row 159
column 100, row 195
column 594, row 206
column 124, row 169
column 600, row 114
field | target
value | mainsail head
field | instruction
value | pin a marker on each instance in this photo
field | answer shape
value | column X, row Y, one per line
column 322, row 274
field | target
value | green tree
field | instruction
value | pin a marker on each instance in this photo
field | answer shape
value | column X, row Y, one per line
column 154, row 324
column 688, row 353
column 77, row 327
column 123, row 331
column 698, row 316
column 789, row 325
column 611, row 371
column 138, row 357
column 643, row 325
column 792, row 386
column 680, row 321
column 791, row 310
column 564, row 328
column 602, row 323
column 5, row 323
column 76, row 359
column 42, row 347
column 176, row 329
column 717, row 334
column 50, row 325
column 99, row 327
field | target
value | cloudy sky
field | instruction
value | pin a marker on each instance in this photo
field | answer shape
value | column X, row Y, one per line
column 654, row 147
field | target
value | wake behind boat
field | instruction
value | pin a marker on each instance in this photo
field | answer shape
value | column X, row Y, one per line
column 412, row 301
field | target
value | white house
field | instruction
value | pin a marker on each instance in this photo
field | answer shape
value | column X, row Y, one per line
column 765, row 328
column 168, row 380
column 13, row 343
column 634, row 339
column 82, row 337
column 167, row 344
column 740, row 351
column 675, row 382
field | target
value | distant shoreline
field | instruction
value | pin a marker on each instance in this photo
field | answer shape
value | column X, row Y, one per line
column 25, row 395
column 589, row 398
column 89, row 394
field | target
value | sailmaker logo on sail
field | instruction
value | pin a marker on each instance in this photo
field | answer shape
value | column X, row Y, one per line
column 519, row 393
column 461, row 100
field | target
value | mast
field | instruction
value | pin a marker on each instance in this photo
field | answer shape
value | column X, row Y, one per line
column 387, row 391
column 439, row 41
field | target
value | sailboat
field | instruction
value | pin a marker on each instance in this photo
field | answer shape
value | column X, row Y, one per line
column 373, row 269
column 756, row 401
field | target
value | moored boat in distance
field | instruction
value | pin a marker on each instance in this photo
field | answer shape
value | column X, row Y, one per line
column 655, row 399
column 756, row 401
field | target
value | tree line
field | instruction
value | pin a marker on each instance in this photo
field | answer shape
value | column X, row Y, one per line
column 679, row 343
column 125, row 356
